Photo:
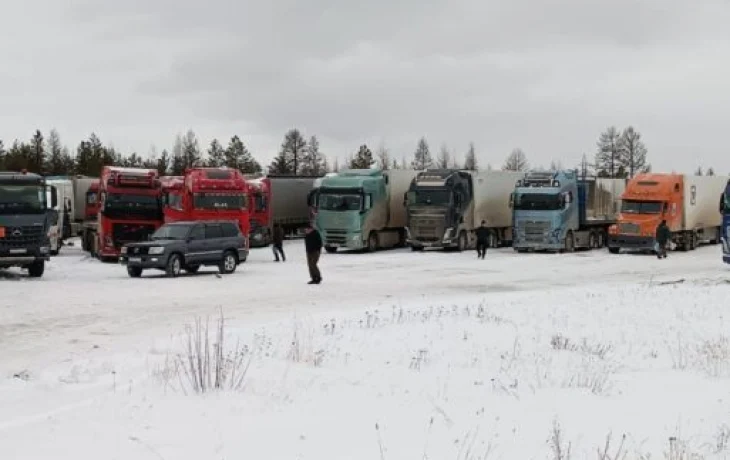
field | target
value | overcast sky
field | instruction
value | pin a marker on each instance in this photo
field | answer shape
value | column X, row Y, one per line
column 546, row 76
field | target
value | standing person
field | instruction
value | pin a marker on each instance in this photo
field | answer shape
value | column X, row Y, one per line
column 278, row 243
column 313, row 246
column 662, row 239
column 482, row 240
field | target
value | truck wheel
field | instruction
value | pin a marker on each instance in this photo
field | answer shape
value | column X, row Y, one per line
column 462, row 241
column 614, row 250
column 330, row 249
column 174, row 265
column 593, row 240
column 36, row 269
column 693, row 241
column 569, row 242
column 601, row 237
column 134, row 272
column 229, row 263
column 373, row 242
column 416, row 248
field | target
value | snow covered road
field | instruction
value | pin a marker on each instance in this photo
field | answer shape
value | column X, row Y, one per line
column 85, row 340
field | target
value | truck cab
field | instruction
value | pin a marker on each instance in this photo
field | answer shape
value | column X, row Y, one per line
column 545, row 211
column 26, row 216
column 437, row 203
column 260, row 206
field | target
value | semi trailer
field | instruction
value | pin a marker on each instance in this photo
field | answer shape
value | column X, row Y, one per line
column 27, row 213
column 560, row 211
column 688, row 203
column 363, row 209
column 445, row 206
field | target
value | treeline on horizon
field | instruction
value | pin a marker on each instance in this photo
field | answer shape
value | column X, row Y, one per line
column 619, row 154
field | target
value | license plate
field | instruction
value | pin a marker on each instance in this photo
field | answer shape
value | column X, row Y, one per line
column 135, row 259
column 18, row 251
column 2, row 232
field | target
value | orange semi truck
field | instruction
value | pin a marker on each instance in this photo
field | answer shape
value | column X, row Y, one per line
column 688, row 204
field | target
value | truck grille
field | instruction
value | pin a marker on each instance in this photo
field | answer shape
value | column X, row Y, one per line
column 22, row 237
column 131, row 233
column 535, row 230
column 335, row 236
column 427, row 229
column 628, row 228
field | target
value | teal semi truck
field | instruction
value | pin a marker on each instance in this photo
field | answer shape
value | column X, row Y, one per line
column 363, row 209
column 559, row 211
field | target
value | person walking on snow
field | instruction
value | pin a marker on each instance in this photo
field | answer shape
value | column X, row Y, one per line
column 663, row 234
column 482, row 240
column 278, row 243
column 313, row 246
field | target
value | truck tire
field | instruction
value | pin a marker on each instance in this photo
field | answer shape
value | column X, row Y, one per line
column 417, row 248
column 174, row 265
column 462, row 242
column 614, row 250
column 593, row 240
column 228, row 263
column 134, row 272
column 330, row 249
column 372, row 242
column 36, row 269
column 693, row 241
column 569, row 242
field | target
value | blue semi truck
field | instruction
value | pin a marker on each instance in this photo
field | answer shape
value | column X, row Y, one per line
column 725, row 229
column 559, row 211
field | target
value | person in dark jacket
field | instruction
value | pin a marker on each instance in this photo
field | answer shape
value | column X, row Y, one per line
column 663, row 234
column 278, row 243
column 482, row 240
column 313, row 246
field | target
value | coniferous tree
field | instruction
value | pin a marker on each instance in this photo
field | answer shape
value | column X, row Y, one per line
column 422, row 156
column 313, row 162
column 163, row 163
column 444, row 158
column 37, row 158
column 2, row 156
column 290, row 156
column 363, row 159
column 710, row 171
column 238, row 157
column 56, row 166
column 192, row 156
column 216, row 154
column 177, row 163
column 383, row 156
column 69, row 165
column 470, row 159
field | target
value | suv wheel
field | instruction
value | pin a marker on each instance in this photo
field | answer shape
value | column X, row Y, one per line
column 134, row 272
column 36, row 269
column 229, row 263
column 192, row 268
column 174, row 265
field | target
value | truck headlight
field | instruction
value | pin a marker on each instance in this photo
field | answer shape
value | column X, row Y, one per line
column 155, row 250
column 355, row 237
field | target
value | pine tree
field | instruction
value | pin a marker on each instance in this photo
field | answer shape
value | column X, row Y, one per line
column 336, row 165
column 192, row 157
column 69, row 165
column 288, row 161
column 455, row 163
column 710, row 171
column 422, row 156
column 86, row 164
column 394, row 164
column 585, row 168
column 383, row 156
column 363, row 159
column 56, row 166
column 37, row 159
column 313, row 162
column 444, row 157
column 516, row 161
column 2, row 156
column 470, row 159
column 17, row 157
column 609, row 155
column 177, row 163
column 163, row 163
column 633, row 152
column 216, row 154
column 238, row 157
column 698, row 171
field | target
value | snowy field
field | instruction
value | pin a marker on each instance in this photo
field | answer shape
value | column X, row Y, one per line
column 396, row 355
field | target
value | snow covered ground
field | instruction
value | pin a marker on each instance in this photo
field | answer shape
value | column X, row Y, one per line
column 396, row 355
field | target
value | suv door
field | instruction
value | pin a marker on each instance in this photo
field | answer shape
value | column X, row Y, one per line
column 197, row 246
column 215, row 242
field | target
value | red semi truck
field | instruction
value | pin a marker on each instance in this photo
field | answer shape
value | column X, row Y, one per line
column 260, row 205
column 207, row 194
column 130, row 209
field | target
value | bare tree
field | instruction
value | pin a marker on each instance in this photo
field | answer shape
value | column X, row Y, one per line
column 442, row 161
column 516, row 161
column 422, row 156
column 608, row 156
column 383, row 156
column 633, row 151
column 470, row 159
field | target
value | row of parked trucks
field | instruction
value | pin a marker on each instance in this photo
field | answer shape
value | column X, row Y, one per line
column 363, row 209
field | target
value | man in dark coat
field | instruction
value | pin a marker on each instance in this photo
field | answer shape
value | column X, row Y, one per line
column 278, row 243
column 482, row 240
column 313, row 246
column 663, row 234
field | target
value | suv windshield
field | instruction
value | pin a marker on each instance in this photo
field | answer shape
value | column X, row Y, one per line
column 537, row 202
column 22, row 199
column 219, row 201
column 641, row 207
column 340, row 202
column 171, row 232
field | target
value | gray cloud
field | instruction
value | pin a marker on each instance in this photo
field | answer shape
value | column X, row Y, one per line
column 547, row 76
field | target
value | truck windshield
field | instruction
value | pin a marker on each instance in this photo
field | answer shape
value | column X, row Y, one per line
column 118, row 206
column 537, row 202
column 340, row 202
column 641, row 207
column 430, row 197
column 171, row 232
column 22, row 199
column 219, row 201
